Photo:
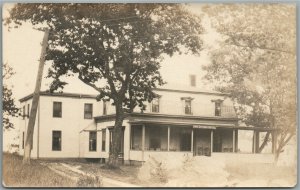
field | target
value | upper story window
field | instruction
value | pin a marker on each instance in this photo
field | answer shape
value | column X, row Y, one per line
column 217, row 108
column 93, row 141
column 28, row 110
column 56, row 140
column 187, row 104
column 193, row 80
column 57, row 109
column 155, row 105
column 88, row 111
column 104, row 107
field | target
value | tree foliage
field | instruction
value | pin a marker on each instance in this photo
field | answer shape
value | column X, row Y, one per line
column 256, row 63
column 9, row 108
column 114, row 48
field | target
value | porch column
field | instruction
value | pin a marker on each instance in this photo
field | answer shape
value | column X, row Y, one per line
column 274, row 141
column 143, row 142
column 211, row 140
column 257, row 142
column 192, row 140
column 169, row 138
column 254, row 141
column 233, row 140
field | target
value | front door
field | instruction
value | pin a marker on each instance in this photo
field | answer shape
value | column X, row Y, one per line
column 202, row 142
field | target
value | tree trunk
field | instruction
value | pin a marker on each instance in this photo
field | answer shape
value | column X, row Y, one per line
column 265, row 142
column 35, row 102
column 113, row 160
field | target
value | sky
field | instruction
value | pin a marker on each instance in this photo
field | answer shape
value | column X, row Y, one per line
column 22, row 48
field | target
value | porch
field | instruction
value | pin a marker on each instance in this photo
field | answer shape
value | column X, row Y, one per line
column 178, row 140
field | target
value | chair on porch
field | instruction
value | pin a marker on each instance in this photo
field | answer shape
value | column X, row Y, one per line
column 200, row 151
column 207, row 151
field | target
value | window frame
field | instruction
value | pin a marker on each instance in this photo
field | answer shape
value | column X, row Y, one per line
column 54, row 111
column 218, row 112
column 103, row 140
column 104, row 110
column 93, row 141
column 193, row 80
column 153, row 105
column 86, row 112
column 59, row 148
column 189, row 107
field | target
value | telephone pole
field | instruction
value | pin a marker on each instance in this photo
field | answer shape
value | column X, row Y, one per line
column 35, row 100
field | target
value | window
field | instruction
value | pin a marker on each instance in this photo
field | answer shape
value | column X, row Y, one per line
column 155, row 105
column 56, row 140
column 23, row 112
column 193, row 80
column 180, row 138
column 88, row 111
column 136, row 137
column 23, row 140
column 57, row 111
column 156, row 138
column 28, row 110
column 104, row 107
column 93, row 141
column 188, row 106
column 217, row 108
column 103, row 139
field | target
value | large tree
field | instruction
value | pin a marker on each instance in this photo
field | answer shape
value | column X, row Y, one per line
column 9, row 108
column 256, row 64
column 114, row 48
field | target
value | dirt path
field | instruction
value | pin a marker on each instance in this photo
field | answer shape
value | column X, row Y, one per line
column 74, row 173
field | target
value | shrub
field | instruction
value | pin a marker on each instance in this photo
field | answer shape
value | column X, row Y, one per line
column 89, row 181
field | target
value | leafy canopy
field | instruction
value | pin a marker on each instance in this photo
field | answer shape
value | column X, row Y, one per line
column 8, row 102
column 114, row 48
column 256, row 62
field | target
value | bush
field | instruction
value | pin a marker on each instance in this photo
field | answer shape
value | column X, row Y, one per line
column 89, row 181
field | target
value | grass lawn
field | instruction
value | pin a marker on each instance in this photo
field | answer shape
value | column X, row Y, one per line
column 15, row 174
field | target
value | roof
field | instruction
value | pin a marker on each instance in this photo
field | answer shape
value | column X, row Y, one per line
column 179, row 89
column 155, row 118
column 65, row 94
column 189, row 89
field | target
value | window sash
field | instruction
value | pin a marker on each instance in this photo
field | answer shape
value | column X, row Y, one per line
column 56, row 140
column 217, row 109
column 88, row 111
column 103, row 140
column 188, row 107
column 57, row 109
column 92, row 141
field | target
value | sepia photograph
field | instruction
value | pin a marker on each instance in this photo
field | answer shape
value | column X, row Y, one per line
column 139, row 95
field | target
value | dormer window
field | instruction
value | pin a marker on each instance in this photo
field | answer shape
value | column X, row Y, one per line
column 218, row 104
column 155, row 105
column 193, row 80
column 187, row 105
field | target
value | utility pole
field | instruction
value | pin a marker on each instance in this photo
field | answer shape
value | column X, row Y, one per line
column 35, row 100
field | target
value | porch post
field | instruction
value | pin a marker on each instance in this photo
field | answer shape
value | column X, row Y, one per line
column 233, row 140
column 143, row 142
column 211, row 141
column 168, row 138
column 253, row 141
column 192, row 140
